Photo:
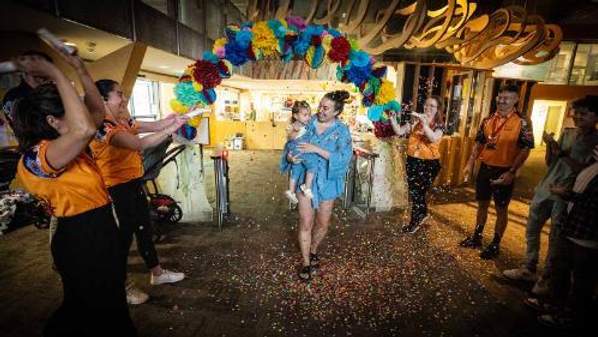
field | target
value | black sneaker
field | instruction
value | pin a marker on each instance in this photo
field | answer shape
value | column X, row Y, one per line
column 474, row 241
column 490, row 252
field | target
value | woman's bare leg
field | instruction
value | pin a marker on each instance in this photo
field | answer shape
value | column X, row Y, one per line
column 323, row 216
column 306, row 221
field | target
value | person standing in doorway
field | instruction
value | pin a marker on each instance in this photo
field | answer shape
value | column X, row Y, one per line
column 502, row 144
column 330, row 139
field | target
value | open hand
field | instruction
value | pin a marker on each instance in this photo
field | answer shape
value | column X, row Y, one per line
column 308, row 148
column 37, row 66
column 504, row 179
column 420, row 117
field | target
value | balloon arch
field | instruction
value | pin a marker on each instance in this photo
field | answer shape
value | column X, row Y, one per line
column 287, row 39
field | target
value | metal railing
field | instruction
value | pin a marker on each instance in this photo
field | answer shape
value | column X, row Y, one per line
column 359, row 182
column 222, row 187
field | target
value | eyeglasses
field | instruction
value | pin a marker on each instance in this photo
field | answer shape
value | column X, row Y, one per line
column 504, row 98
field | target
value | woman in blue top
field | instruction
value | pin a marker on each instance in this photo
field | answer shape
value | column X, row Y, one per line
column 330, row 139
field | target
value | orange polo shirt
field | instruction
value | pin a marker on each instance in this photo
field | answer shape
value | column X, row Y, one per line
column 509, row 134
column 74, row 189
column 419, row 146
column 117, row 165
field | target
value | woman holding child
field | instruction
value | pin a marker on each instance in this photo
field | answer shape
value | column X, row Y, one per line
column 329, row 140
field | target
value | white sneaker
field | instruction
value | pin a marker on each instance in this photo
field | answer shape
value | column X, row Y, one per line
column 135, row 296
column 291, row 196
column 167, row 276
column 520, row 274
column 424, row 220
column 306, row 191
column 541, row 287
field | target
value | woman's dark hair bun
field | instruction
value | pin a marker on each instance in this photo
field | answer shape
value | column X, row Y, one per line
column 340, row 95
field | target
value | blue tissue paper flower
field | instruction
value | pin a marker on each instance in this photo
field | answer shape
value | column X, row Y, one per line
column 186, row 94
column 358, row 75
column 210, row 57
column 243, row 38
column 359, row 58
column 209, row 95
column 334, row 32
column 393, row 105
column 235, row 54
column 375, row 113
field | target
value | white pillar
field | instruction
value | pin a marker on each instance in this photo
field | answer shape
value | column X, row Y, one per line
column 191, row 191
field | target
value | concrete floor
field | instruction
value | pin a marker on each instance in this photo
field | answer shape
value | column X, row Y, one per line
column 242, row 281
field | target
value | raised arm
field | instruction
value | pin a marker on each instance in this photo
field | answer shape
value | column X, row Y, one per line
column 433, row 136
column 399, row 130
column 79, row 126
column 92, row 98
column 134, row 142
column 156, row 125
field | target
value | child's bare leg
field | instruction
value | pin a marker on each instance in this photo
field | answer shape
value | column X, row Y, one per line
column 292, row 184
column 290, row 193
column 306, row 187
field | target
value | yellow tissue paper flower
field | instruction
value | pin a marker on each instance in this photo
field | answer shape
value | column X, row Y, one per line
column 195, row 121
column 326, row 42
column 177, row 107
column 189, row 70
column 197, row 86
column 220, row 42
column 264, row 39
column 386, row 93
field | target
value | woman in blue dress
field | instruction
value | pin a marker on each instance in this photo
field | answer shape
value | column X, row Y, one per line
column 330, row 140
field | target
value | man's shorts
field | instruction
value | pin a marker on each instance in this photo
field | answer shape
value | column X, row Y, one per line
column 484, row 190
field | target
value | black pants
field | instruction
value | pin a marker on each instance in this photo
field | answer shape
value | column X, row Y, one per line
column 88, row 258
column 420, row 176
column 571, row 259
column 132, row 210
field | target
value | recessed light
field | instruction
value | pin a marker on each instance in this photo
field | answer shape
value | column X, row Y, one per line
column 163, row 67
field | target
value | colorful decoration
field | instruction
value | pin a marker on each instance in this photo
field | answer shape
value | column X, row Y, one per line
column 286, row 39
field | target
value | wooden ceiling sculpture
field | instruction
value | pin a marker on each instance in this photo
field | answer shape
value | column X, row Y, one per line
column 486, row 41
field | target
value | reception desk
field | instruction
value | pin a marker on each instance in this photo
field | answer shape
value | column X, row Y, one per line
column 258, row 135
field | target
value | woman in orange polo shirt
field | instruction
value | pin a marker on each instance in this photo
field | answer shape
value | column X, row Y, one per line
column 116, row 149
column 53, row 128
column 423, row 158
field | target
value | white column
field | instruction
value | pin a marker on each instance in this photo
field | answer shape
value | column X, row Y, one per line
column 191, row 192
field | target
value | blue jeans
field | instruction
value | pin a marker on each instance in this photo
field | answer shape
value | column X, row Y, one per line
column 539, row 213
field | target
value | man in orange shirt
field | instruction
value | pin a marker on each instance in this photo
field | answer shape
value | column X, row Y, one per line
column 502, row 144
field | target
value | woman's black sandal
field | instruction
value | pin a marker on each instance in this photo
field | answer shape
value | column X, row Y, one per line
column 314, row 260
column 305, row 273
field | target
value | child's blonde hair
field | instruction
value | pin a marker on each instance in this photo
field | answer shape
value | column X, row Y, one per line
column 297, row 106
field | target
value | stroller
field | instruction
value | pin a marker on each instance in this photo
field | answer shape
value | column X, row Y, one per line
column 9, row 159
column 163, row 208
